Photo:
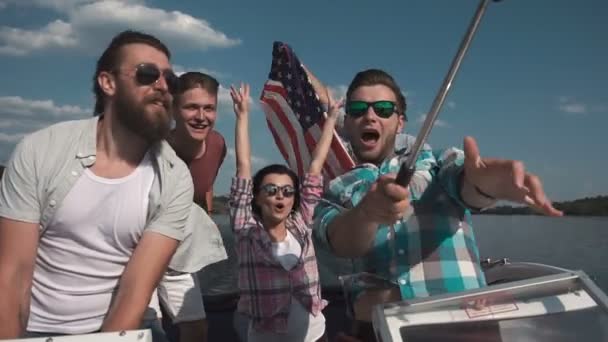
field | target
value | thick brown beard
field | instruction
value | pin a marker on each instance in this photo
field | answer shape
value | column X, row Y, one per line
column 152, row 128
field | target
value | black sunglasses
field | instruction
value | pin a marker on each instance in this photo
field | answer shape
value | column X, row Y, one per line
column 149, row 73
column 383, row 109
column 272, row 189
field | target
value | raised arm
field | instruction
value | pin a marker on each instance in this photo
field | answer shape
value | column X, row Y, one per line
column 240, row 191
column 240, row 100
column 320, row 152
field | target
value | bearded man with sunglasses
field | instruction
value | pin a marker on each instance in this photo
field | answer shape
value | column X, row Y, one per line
column 418, row 239
column 92, row 211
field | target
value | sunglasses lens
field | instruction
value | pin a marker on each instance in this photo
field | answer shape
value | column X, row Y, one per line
column 171, row 80
column 270, row 189
column 147, row 74
column 288, row 191
column 356, row 108
column 384, row 109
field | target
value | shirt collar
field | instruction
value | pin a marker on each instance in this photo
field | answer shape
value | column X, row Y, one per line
column 88, row 149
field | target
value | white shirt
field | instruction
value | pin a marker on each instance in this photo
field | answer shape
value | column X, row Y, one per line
column 85, row 248
column 287, row 252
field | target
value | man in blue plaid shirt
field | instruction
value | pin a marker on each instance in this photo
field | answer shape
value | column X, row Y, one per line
column 419, row 238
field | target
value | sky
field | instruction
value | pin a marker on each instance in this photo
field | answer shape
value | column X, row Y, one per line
column 532, row 86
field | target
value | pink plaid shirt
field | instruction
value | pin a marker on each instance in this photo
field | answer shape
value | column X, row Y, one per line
column 266, row 288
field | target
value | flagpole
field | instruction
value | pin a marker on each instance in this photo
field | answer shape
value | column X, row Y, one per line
column 409, row 167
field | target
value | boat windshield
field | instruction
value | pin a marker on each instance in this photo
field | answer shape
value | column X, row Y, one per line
column 581, row 325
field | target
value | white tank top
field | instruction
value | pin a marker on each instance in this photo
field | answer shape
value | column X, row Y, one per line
column 85, row 248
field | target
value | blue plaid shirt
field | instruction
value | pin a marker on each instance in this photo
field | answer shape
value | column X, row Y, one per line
column 432, row 249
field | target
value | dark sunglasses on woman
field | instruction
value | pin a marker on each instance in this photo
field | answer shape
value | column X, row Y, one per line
column 273, row 189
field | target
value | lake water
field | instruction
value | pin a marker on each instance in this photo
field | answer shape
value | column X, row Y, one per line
column 577, row 243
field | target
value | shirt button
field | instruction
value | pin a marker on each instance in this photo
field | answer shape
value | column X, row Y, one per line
column 402, row 281
column 92, row 157
column 79, row 154
column 401, row 252
column 52, row 203
column 74, row 173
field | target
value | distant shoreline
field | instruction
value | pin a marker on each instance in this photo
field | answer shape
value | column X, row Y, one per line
column 588, row 207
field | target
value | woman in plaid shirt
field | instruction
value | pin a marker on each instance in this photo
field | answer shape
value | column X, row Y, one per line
column 271, row 217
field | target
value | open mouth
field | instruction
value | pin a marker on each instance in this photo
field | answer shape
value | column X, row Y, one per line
column 370, row 136
column 198, row 125
column 279, row 206
column 159, row 104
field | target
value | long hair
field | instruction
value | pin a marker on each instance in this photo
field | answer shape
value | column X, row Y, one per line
column 274, row 169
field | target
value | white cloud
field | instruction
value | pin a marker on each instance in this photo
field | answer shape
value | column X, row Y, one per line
column 21, row 116
column 338, row 92
column 89, row 23
column 58, row 5
column 570, row 105
column 256, row 161
column 19, row 42
column 179, row 70
column 438, row 122
column 224, row 100
column 451, row 104
column 573, row 108
column 43, row 109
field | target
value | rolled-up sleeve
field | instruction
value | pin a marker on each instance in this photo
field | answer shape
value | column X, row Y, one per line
column 240, row 202
column 312, row 189
column 325, row 212
column 19, row 198
column 175, row 208
column 450, row 162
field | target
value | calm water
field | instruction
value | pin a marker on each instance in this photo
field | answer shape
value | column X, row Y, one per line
column 571, row 242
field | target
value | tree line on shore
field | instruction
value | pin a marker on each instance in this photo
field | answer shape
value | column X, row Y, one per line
column 588, row 206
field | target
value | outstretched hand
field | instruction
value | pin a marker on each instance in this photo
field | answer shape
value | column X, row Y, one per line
column 505, row 180
column 240, row 99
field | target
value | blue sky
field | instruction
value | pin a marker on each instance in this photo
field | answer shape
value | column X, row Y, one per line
column 532, row 87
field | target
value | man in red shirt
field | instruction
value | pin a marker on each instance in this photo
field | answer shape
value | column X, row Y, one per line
column 194, row 140
column 203, row 150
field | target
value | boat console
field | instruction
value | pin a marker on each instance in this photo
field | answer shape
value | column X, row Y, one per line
column 560, row 305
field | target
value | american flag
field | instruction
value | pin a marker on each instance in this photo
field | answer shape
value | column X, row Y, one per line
column 295, row 116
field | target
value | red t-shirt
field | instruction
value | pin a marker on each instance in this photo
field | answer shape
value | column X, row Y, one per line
column 204, row 169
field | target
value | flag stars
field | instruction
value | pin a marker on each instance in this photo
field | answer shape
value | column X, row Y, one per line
column 289, row 76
